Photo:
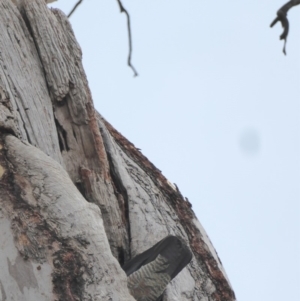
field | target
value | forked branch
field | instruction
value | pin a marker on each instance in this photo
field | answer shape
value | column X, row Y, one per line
column 282, row 17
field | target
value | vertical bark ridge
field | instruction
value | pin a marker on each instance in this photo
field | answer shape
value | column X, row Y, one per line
column 81, row 143
column 25, row 106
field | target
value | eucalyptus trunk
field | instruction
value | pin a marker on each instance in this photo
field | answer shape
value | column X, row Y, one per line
column 77, row 199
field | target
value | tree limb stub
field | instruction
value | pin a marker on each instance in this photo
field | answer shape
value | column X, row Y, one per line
column 282, row 17
column 122, row 10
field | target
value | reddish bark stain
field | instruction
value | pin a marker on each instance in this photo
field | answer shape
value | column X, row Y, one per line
column 185, row 213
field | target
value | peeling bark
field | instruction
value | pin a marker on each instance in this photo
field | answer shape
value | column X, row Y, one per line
column 77, row 199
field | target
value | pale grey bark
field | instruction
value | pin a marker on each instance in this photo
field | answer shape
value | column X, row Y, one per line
column 59, row 236
column 78, row 199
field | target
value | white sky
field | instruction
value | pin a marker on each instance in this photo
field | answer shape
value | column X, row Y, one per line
column 217, row 108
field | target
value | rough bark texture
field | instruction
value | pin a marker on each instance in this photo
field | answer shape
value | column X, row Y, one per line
column 77, row 199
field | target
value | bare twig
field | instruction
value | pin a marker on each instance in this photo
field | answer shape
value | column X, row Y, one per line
column 123, row 10
column 282, row 17
column 74, row 8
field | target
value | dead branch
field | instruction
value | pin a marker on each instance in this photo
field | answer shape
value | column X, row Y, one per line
column 122, row 10
column 74, row 8
column 282, row 17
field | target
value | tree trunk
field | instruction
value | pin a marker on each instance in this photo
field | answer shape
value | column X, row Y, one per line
column 77, row 199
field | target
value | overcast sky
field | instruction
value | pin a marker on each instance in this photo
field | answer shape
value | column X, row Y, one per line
column 216, row 107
